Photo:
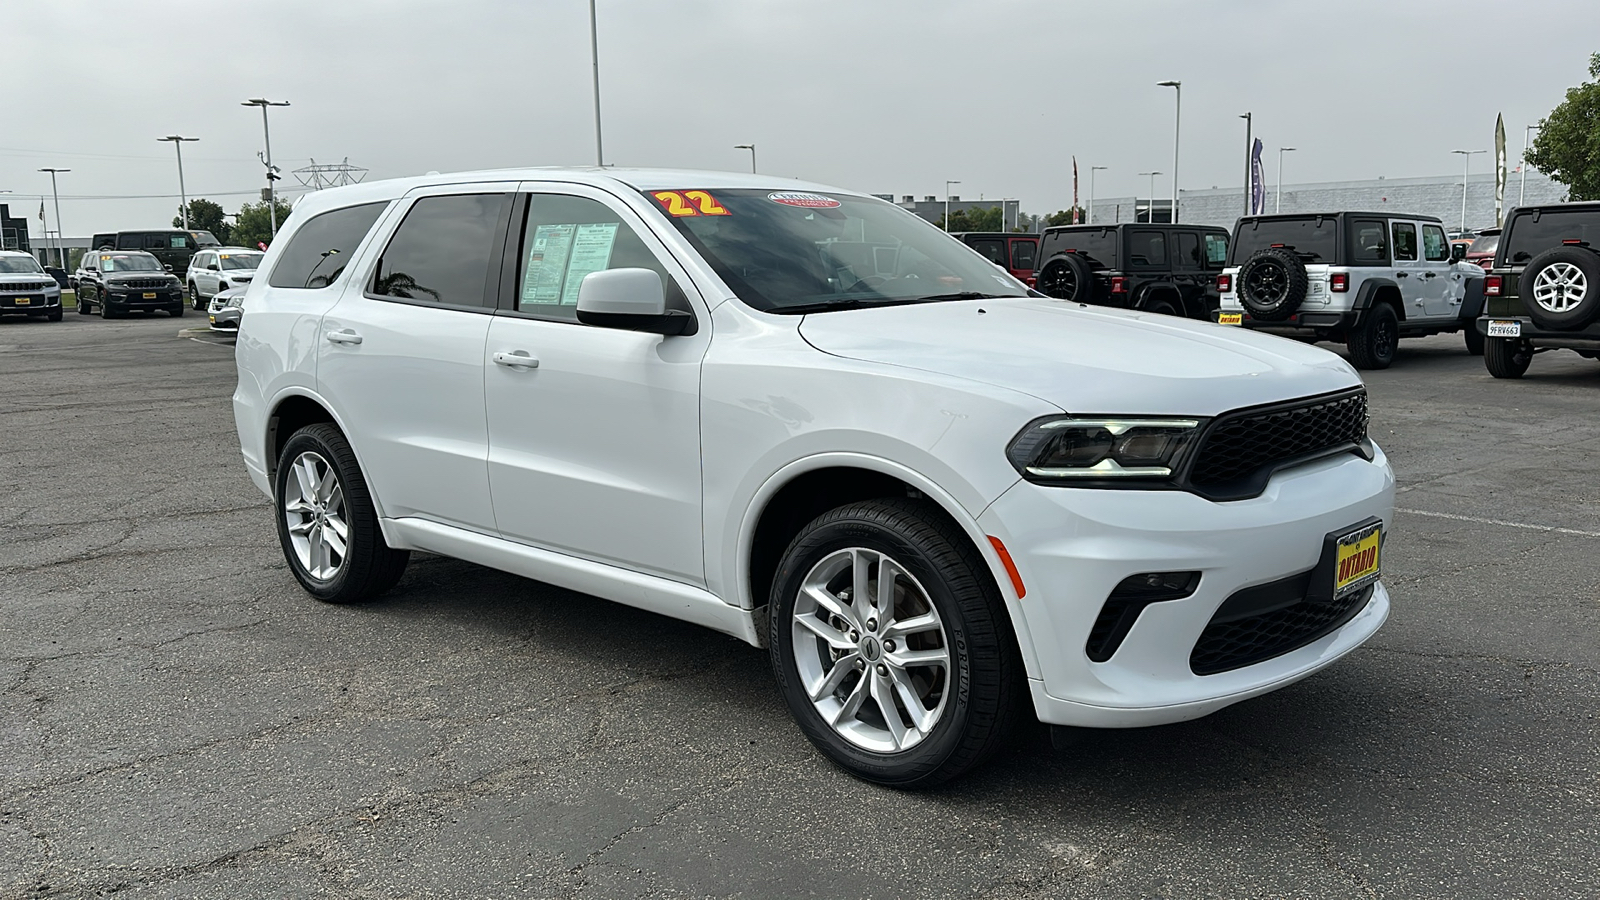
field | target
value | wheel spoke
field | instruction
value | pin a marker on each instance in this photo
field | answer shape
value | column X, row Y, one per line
column 921, row 716
column 852, row 703
column 298, row 506
column 836, row 639
column 304, row 526
column 338, row 527
column 913, row 625
column 821, row 597
column 883, row 695
column 860, row 589
column 887, row 571
column 334, row 542
column 937, row 656
column 327, row 485
column 842, row 667
column 305, row 473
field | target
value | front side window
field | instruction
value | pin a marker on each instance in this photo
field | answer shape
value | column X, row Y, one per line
column 179, row 241
column 19, row 265
column 564, row 239
column 1370, row 243
column 441, row 252
column 320, row 249
column 1405, row 241
column 1216, row 249
column 1022, row 255
column 797, row 251
column 1435, row 246
column 1147, row 248
column 994, row 251
column 128, row 262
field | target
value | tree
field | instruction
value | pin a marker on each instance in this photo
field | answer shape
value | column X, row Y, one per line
column 205, row 216
column 983, row 218
column 1568, row 146
column 1064, row 217
column 254, row 227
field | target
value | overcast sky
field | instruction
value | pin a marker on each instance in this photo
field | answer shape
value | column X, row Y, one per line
column 886, row 96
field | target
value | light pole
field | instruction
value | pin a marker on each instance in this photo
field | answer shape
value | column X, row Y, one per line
column 1277, row 201
column 272, row 173
column 1247, row 123
column 1522, row 191
column 752, row 148
column 1466, row 156
column 1092, row 170
column 1003, row 202
column 594, row 56
column 1177, row 122
column 947, row 204
column 1151, row 210
column 60, row 254
column 183, row 195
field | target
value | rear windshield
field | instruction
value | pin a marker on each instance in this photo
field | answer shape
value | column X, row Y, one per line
column 1485, row 243
column 1317, row 236
column 1099, row 244
column 1529, row 238
column 19, row 265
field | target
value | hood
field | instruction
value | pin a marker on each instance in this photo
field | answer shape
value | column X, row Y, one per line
column 130, row 276
column 14, row 277
column 1085, row 359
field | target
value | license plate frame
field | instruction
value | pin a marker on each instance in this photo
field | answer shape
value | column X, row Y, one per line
column 1505, row 328
column 1357, row 558
column 1230, row 318
column 23, row 301
column 149, row 295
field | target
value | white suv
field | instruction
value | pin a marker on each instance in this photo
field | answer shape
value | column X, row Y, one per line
column 1362, row 279
column 806, row 418
column 215, row 270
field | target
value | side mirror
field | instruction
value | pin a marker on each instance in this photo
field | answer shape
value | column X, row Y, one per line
column 1458, row 252
column 632, row 300
column 168, row 267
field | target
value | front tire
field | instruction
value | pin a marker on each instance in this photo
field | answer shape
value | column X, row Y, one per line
column 1507, row 357
column 327, row 523
column 908, row 680
column 1372, row 343
column 194, row 296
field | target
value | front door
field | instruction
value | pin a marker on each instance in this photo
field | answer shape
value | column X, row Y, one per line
column 594, row 440
column 1442, row 297
column 1408, row 271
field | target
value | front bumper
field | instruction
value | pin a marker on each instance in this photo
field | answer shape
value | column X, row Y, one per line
column 1072, row 547
column 224, row 320
column 165, row 298
column 30, row 304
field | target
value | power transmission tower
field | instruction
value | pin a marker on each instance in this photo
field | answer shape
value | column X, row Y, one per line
column 318, row 177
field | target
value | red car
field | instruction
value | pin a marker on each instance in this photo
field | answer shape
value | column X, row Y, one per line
column 1015, row 252
column 1482, row 248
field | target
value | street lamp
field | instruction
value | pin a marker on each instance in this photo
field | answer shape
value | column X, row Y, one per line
column 1466, row 156
column 947, row 203
column 272, row 173
column 594, row 56
column 61, row 255
column 752, row 148
column 1177, row 120
column 1151, row 210
column 1092, row 170
column 1522, row 191
column 1277, row 201
column 183, row 195
column 1247, row 148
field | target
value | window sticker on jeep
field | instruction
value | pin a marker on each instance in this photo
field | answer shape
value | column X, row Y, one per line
column 690, row 203
column 804, row 201
column 561, row 255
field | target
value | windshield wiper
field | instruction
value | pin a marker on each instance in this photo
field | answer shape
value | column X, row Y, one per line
column 963, row 295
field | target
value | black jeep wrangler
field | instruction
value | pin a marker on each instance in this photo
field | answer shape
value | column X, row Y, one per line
column 1543, row 291
column 1169, row 269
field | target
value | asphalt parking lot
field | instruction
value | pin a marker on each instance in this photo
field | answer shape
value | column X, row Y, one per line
column 180, row 720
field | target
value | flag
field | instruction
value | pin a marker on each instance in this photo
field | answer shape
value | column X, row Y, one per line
column 1499, row 168
column 41, row 210
column 1074, row 189
column 1258, row 182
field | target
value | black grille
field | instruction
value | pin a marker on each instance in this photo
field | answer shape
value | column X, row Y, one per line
column 144, row 284
column 12, row 287
column 1245, row 446
column 1233, row 643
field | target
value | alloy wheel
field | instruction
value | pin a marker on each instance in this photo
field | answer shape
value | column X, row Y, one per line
column 871, row 650
column 1560, row 287
column 1268, row 283
column 313, row 507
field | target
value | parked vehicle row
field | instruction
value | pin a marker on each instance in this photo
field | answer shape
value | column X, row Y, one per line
column 1165, row 269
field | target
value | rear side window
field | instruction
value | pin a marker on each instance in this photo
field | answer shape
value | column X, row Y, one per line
column 441, row 252
column 156, row 242
column 1435, row 246
column 1147, row 248
column 322, row 247
column 1022, row 255
column 1216, row 249
column 1189, row 249
column 130, row 241
column 1405, row 241
column 993, row 250
column 1527, row 236
column 1369, row 242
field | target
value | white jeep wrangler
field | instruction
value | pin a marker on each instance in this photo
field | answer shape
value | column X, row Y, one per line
column 1363, row 279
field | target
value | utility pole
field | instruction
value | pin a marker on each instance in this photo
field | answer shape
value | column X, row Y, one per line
column 1467, row 156
column 1177, row 122
column 183, row 195
column 594, row 56
column 1522, row 191
column 1247, row 123
column 947, row 203
column 61, row 254
column 1092, row 170
column 272, row 171
column 1277, row 200
column 1150, row 210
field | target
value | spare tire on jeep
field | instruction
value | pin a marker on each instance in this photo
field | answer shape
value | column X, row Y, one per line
column 1560, row 288
column 1067, row 277
column 1272, row 284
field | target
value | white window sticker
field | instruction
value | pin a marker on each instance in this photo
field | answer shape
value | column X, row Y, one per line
column 591, row 252
column 561, row 255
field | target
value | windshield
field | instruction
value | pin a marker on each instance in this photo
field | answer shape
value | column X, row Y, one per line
column 204, row 239
column 19, row 265
column 1316, row 236
column 793, row 252
column 240, row 260
column 128, row 262
column 1485, row 243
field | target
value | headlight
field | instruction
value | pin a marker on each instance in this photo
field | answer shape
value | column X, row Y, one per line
column 1111, row 448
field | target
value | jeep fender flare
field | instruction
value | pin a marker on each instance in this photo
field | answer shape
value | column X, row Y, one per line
column 1368, row 295
column 1154, row 289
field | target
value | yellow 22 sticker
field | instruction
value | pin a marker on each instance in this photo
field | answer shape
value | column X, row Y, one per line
column 690, row 203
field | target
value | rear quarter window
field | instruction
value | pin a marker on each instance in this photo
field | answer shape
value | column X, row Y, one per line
column 320, row 249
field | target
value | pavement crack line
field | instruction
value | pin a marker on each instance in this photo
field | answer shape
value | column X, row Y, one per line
column 1477, row 520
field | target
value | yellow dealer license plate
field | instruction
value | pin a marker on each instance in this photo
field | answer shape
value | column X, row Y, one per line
column 149, row 295
column 1356, row 564
column 24, row 301
column 1230, row 318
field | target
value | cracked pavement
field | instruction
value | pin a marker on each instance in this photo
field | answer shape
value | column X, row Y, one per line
column 179, row 720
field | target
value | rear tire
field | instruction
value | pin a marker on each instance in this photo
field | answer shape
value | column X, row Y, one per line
column 1507, row 357
column 55, row 315
column 937, row 646
column 327, row 522
column 1372, row 342
column 1162, row 306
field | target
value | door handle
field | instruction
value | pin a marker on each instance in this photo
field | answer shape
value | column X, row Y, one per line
column 516, row 359
column 1402, row 274
column 1428, row 274
column 344, row 337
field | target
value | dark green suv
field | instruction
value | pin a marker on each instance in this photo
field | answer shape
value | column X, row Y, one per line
column 1543, row 291
column 173, row 247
